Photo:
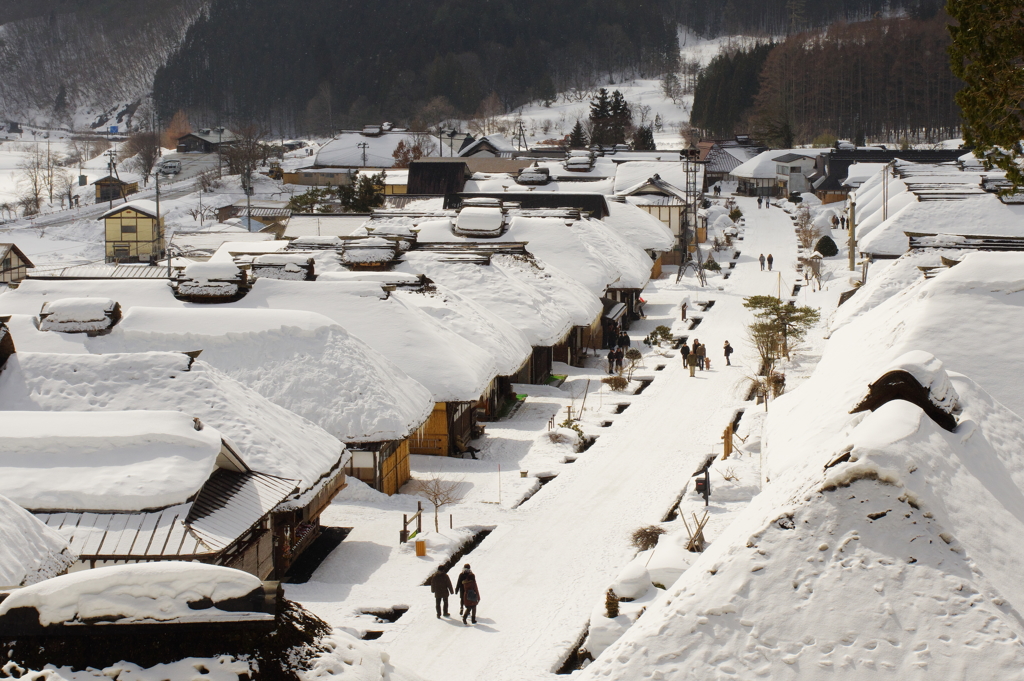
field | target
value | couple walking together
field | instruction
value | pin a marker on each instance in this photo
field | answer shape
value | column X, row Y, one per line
column 466, row 587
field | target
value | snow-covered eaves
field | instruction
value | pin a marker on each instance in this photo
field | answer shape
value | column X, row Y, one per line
column 29, row 551
column 269, row 438
column 103, row 461
column 762, row 166
column 144, row 206
column 638, row 227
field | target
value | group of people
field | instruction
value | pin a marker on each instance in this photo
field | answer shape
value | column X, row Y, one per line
column 764, row 260
column 838, row 222
column 696, row 357
column 465, row 586
column 618, row 352
column 765, row 201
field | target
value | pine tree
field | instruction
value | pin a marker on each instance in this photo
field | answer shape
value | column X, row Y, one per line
column 601, row 118
column 643, row 138
column 671, row 88
column 621, row 118
column 986, row 54
column 578, row 137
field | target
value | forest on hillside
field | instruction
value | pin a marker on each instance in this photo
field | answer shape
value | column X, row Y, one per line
column 886, row 79
column 318, row 64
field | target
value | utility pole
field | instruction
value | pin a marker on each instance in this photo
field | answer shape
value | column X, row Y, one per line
column 159, row 226
column 364, row 146
column 852, row 243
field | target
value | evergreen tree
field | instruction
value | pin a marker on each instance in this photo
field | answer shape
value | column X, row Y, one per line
column 601, row 119
column 643, row 138
column 621, row 118
column 672, row 88
column 986, row 54
column 578, row 137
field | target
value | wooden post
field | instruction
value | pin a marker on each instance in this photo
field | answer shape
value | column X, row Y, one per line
column 403, row 536
column 727, row 442
column 419, row 517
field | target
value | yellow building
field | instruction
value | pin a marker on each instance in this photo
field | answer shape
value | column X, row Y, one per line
column 134, row 233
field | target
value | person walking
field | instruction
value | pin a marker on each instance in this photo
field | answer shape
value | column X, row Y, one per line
column 624, row 341
column 770, row 260
column 759, row 203
column 691, row 361
column 728, row 351
column 761, row 258
column 684, row 352
column 701, row 354
column 458, row 587
column 614, row 359
column 470, row 593
column 842, row 221
column 441, row 586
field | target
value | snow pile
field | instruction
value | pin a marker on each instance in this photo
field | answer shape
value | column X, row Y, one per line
column 282, row 266
column 103, row 461
column 638, row 227
column 480, row 222
column 885, row 509
column 269, row 438
column 167, row 591
column 29, row 550
column 369, row 251
column 210, row 279
column 506, row 344
column 77, row 315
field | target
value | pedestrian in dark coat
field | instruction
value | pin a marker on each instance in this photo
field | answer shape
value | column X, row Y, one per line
column 770, row 260
column 842, row 221
column 624, row 341
column 728, row 351
column 441, row 586
column 470, row 593
column 761, row 258
column 684, row 350
column 759, row 202
column 458, row 587
column 701, row 354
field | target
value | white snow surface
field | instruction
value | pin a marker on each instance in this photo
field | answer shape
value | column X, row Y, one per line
column 137, row 593
column 914, row 525
column 29, row 550
column 269, row 438
column 103, row 461
column 639, row 227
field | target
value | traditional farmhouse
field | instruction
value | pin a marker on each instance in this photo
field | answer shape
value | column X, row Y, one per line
column 761, row 175
column 836, row 179
column 13, row 264
column 721, row 157
column 206, row 140
column 111, row 188
column 372, row 147
column 134, row 233
column 243, row 434
column 489, row 146
column 165, row 486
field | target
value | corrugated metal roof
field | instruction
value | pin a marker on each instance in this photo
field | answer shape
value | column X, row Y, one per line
column 131, row 271
column 231, row 503
column 226, row 508
column 128, row 536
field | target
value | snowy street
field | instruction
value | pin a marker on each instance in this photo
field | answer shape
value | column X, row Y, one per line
column 546, row 563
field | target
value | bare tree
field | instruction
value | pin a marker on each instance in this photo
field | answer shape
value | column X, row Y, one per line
column 806, row 232
column 439, row 492
column 64, row 185
column 8, row 209
column 141, row 152
column 248, row 150
column 32, row 181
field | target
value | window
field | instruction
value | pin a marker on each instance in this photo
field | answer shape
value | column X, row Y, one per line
column 121, row 250
column 7, row 264
column 127, row 228
column 794, row 169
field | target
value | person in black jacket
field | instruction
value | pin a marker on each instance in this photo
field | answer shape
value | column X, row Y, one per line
column 470, row 593
column 770, row 260
column 624, row 341
column 728, row 351
column 441, row 586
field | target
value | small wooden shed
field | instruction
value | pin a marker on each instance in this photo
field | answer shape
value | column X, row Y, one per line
column 110, row 188
column 13, row 264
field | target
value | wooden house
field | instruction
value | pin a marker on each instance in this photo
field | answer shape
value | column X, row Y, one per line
column 133, row 233
column 247, row 491
column 206, row 140
column 664, row 201
column 177, row 510
column 13, row 264
column 110, row 188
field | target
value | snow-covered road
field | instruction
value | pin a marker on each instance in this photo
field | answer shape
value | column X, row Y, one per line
column 547, row 563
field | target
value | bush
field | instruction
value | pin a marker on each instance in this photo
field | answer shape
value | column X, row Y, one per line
column 735, row 214
column 616, row 383
column 826, row 246
column 712, row 265
column 611, row 605
column 646, row 537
